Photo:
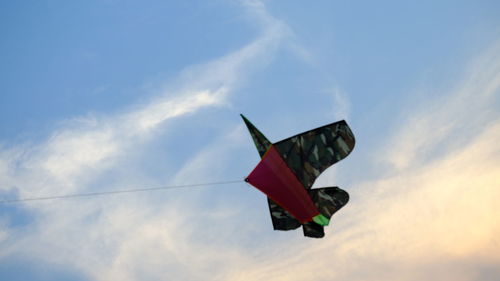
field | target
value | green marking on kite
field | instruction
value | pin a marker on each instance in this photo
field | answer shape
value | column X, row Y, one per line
column 321, row 220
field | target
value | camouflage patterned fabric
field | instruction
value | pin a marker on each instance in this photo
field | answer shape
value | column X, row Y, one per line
column 328, row 200
column 314, row 230
column 310, row 153
column 282, row 220
column 261, row 142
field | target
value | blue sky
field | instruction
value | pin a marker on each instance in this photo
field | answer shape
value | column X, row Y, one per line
column 109, row 95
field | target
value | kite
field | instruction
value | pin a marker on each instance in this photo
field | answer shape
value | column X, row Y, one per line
column 288, row 169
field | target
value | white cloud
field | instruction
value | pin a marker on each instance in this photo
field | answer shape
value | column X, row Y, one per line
column 150, row 117
column 432, row 217
column 464, row 111
column 87, row 145
column 341, row 104
column 134, row 237
column 438, row 221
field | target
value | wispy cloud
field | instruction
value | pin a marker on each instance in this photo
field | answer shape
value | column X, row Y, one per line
column 341, row 104
column 89, row 144
column 438, row 221
column 433, row 216
column 446, row 120
column 112, row 240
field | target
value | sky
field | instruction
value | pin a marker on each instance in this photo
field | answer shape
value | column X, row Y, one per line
column 106, row 95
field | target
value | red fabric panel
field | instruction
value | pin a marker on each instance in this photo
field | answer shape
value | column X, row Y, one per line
column 273, row 177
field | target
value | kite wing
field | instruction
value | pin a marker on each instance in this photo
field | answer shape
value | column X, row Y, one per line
column 310, row 153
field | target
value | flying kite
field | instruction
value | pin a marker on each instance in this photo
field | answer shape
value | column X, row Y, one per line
column 288, row 169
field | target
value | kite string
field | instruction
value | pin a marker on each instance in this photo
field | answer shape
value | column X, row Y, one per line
column 117, row 191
